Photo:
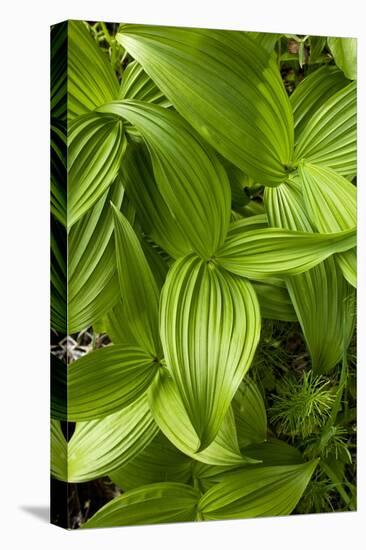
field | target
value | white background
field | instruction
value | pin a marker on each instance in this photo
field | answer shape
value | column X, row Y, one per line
column 24, row 218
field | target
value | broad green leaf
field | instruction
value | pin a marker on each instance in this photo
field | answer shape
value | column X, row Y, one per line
column 152, row 211
column 58, row 171
column 266, row 39
column 323, row 312
column 91, row 80
column 160, row 461
column 274, row 301
column 156, row 503
column 344, row 51
column 250, row 414
column 329, row 137
column 139, row 291
column 272, row 453
column 261, row 253
column 136, row 84
column 189, row 176
column 96, row 144
column 257, row 491
column 118, row 326
column 58, row 452
column 169, row 413
column 58, row 68
column 317, row 45
column 226, row 86
column 106, row 380
column 312, row 92
column 209, row 326
column 92, row 278
column 58, row 388
column 99, row 446
column 330, row 201
column 58, row 277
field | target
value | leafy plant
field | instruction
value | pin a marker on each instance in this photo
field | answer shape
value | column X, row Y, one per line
column 208, row 220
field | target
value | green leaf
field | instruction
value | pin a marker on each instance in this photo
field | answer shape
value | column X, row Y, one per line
column 312, row 92
column 274, row 301
column 91, row 80
column 330, row 201
column 156, row 503
column 58, row 68
column 274, row 452
column 58, row 452
column 323, row 312
column 329, row 137
column 189, row 176
column 58, row 388
column 136, row 84
column 96, row 144
column 58, row 171
column 250, row 414
column 266, row 39
column 262, row 253
column 228, row 89
column 169, row 413
column 99, row 446
column 152, row 211
column 93, row 287
column 344, row 51
column 209, row 326
column 160, row 461
column 139, row 291
column 106, row 380
column 58, row 276
column 257, row 491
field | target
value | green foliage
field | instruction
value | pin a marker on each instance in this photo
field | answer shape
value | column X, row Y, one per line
column 203, row 206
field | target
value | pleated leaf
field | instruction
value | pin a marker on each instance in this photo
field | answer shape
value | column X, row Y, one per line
column 274, row 301
column 58, row 388
column 228, row 89
column 344, row 51
column 189, row 176
column 327, row 293
column 329, row 137
column 312, row 92
column 152, row 211
column 93, row 287
column 106, row 380
column 330, row 201
column 160, row 461
column 274, row 452
column 257, row 492
column 58, row 71
column 262, row 253
column 250, row 414
column 58, row 276
column 58, row 452
column 140, row 294
column 156, row 503
column 209, row 326
column 169, row 413
column 91, row 80
column 99, row 446
column 96, row 144
column 136, row 84
column 58, row 171
column 271, row 453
